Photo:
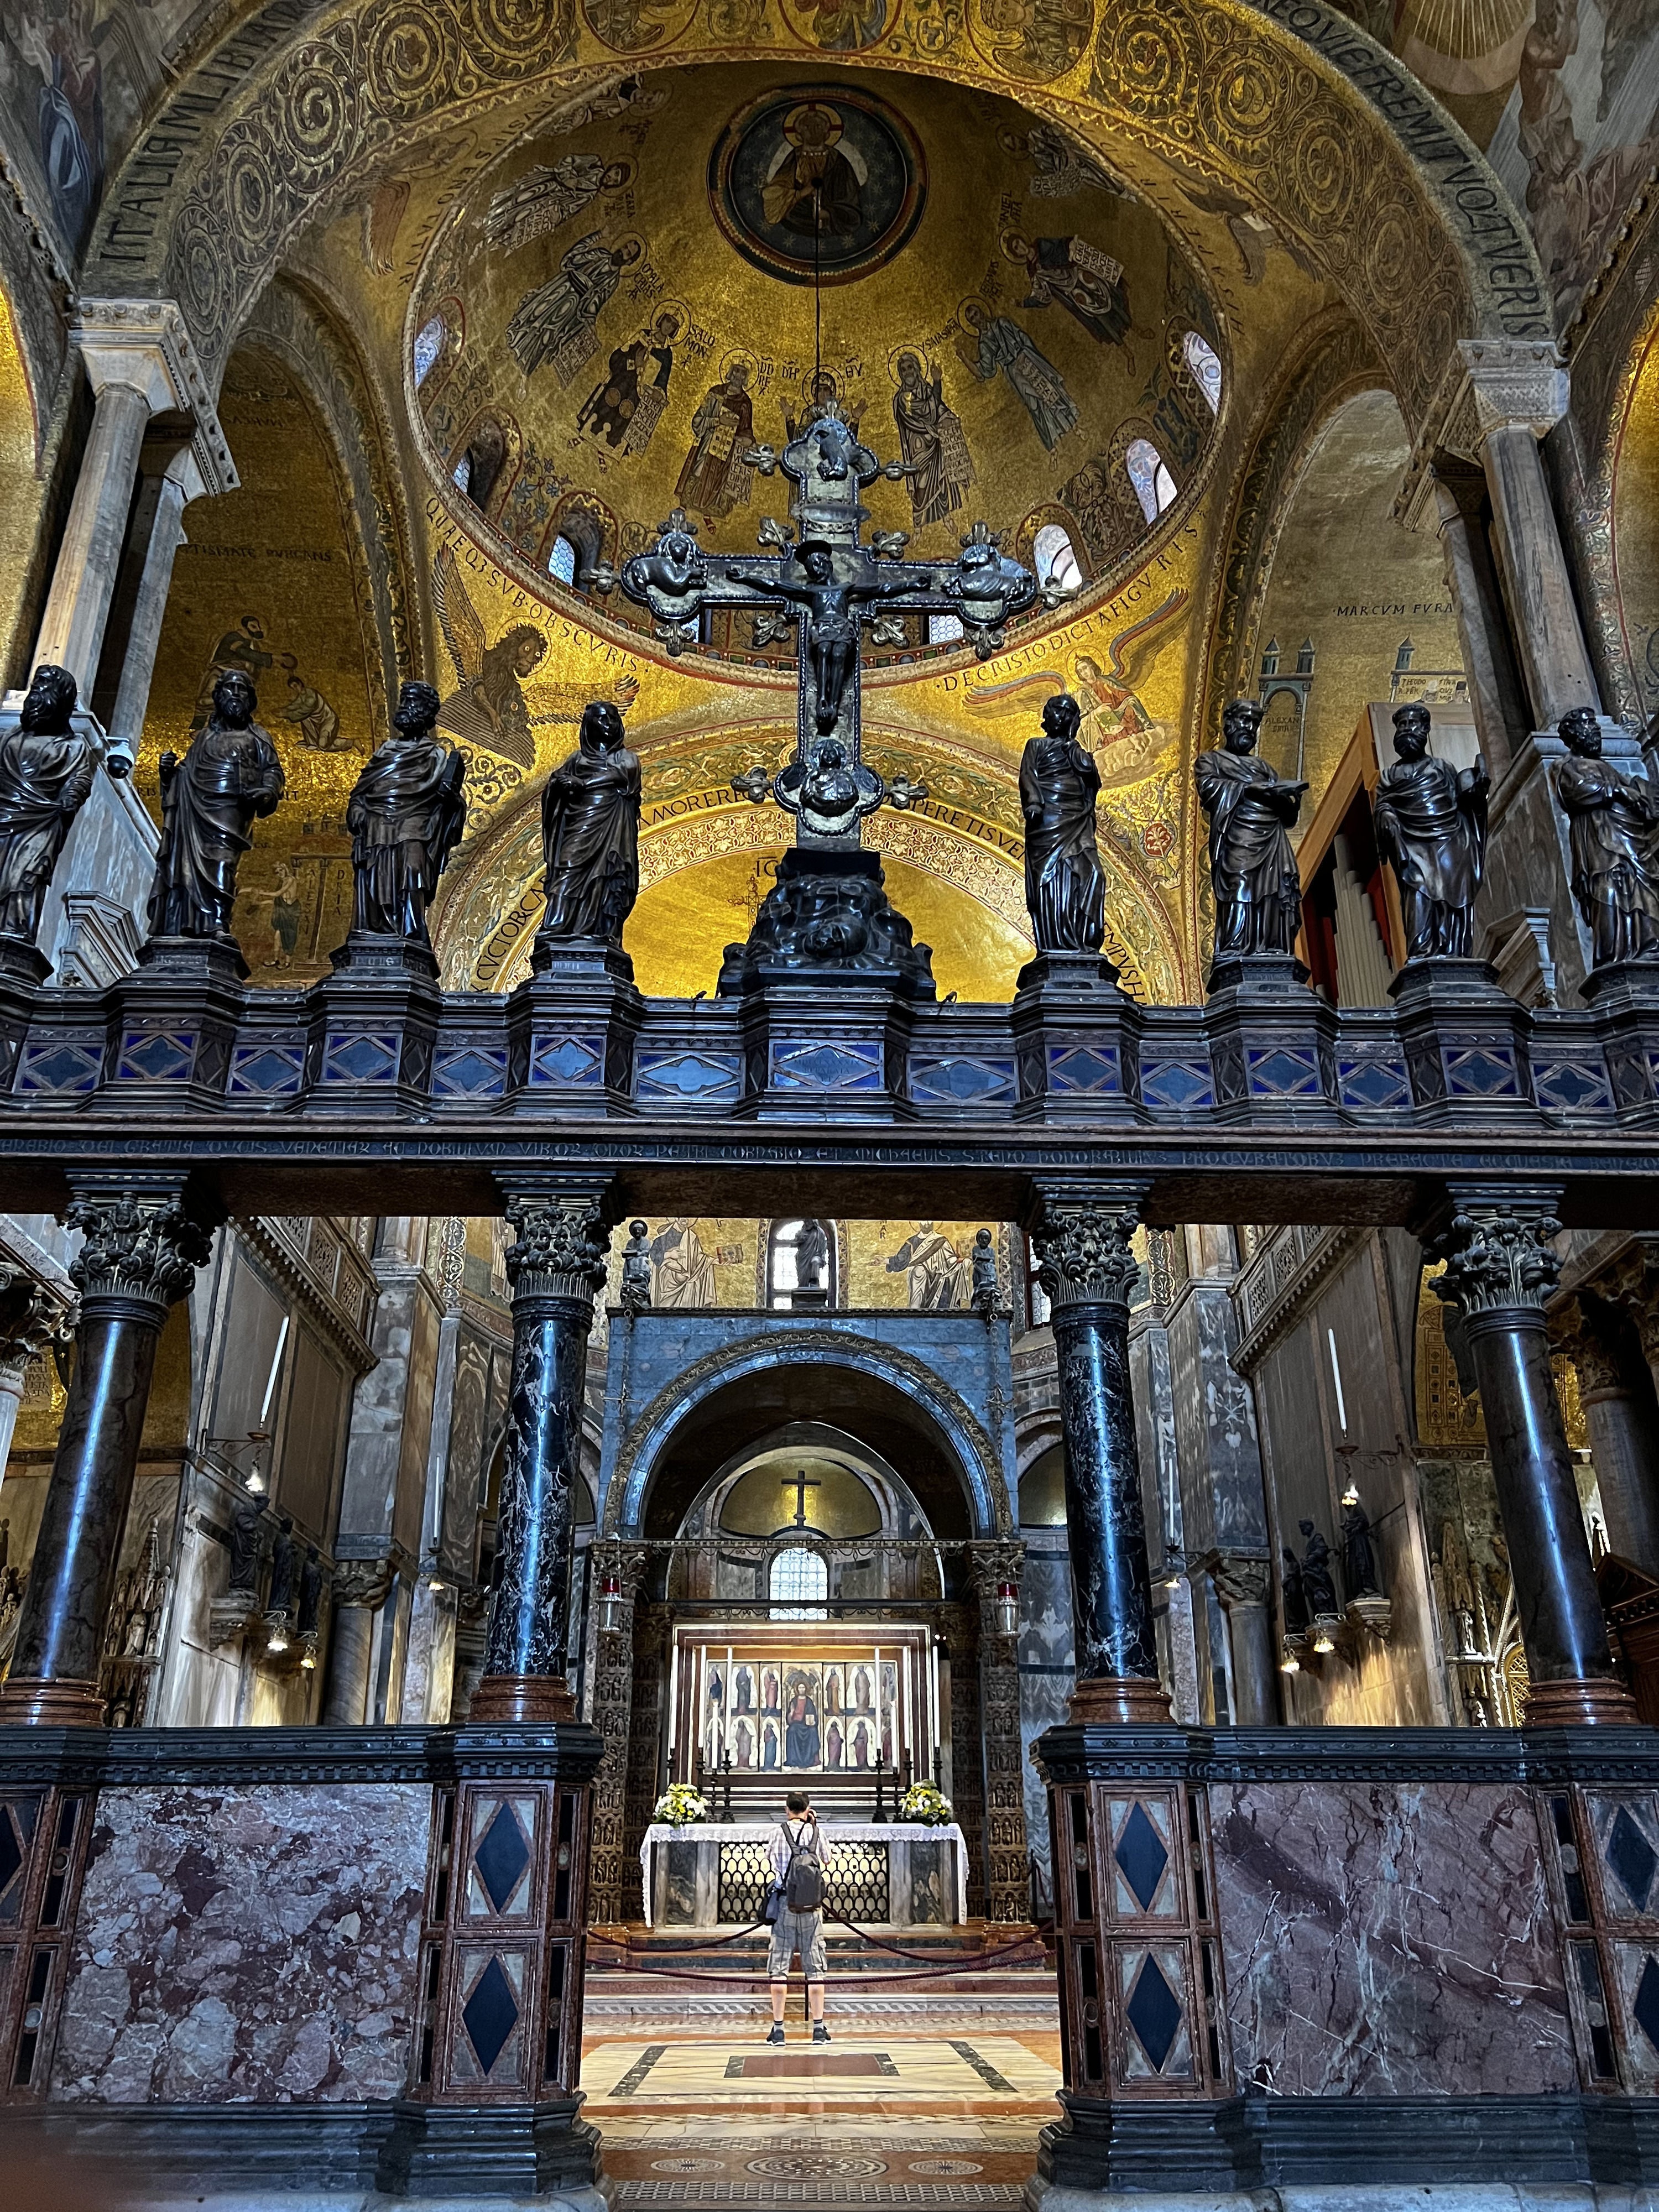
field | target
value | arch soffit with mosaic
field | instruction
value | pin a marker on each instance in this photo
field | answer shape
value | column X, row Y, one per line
column 959, row 1427
column 1286, row 101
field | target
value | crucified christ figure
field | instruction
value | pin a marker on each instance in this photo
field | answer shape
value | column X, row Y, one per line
column 831, row 610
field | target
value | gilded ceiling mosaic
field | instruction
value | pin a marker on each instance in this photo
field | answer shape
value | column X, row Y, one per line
column 618, row 313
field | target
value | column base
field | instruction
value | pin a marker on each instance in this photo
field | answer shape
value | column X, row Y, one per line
column 1596, row 1702
column 529, row 1698
column 1125, row 1697
column 51, row 1704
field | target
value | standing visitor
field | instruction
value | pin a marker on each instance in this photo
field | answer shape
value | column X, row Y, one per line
column 800, row 1860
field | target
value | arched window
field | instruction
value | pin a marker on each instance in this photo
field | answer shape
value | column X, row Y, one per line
column 1055, row 557
column 1206, row 366
column 784, row 1289
column 464, row 473
column 428, row 345
column 562, row 561
column 944, row 629
column 1154, row 486
column 798, row 1577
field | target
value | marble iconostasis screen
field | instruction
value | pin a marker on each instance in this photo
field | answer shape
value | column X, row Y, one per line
column 813, row 1701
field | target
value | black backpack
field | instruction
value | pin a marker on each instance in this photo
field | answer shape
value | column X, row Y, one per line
column 803, row 1880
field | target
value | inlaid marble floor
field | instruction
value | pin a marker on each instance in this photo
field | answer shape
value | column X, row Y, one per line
column 873, row 2120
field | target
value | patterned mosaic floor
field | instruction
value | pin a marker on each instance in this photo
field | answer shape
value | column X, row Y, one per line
column 873, row 2120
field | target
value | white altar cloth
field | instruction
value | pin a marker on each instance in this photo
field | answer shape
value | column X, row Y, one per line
column 851, row 1831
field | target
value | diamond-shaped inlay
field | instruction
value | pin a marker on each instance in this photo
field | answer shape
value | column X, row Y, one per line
column 490, row 2014
column 1176, row 1083
column 501, row 1857
column 469, row 1073
column 1632, row 1858
column 828, row 1066
column 360, row 1060
column 1374, row 1083
column 11, row 1851
column 1154, row 2012
column 1646, row 2007
column 1480, row 1075
column 155, row 1057
column 689, row 1075
column 566, row 1060
column 962, row 1080
column 1078, row 1067
column 1282, row 1074
column 1141, row 1857
column 264, row 1069
column 1563, row 1085
column 59, row 1067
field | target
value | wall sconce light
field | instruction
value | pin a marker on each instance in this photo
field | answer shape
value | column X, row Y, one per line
column 1007, row 1609
column 610, row 1606
column 1323, row 1640
column 309, row 1662
column 277, row 1640
column 1290, row 1664
column 1351, row 1496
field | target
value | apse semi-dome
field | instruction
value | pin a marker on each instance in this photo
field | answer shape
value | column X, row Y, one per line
column 624, row 305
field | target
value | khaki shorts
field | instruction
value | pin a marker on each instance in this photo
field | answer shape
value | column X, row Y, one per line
column 793, row 1932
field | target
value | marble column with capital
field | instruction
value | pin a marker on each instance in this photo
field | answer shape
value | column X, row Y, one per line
column 1500, row 1268
column 34, row 1318
column 556, row 1266
column 1244, row 1586
column 1086, row 1268
column 1501, row 713
column 143, row 1239
column 1616, row 1393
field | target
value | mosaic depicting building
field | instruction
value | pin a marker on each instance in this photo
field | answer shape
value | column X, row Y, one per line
column 829, row 958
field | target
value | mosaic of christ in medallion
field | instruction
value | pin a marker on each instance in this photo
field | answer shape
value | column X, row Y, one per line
column 817, row 178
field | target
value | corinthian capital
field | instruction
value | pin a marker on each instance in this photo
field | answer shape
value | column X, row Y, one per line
column 561, row 1236
column 1575, row 1330
column 142, row 1239
column 33, row 1318
column 1242, row 1579
column 1497, row 1252
column 1083, row 1251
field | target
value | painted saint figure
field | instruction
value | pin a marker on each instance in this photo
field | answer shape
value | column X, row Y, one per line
column 800, row 1739
column 557, row 322
column 625, row 407
column 406, row 814
column 1258, row 891
column 1613, row 839
column 1432, row 830
column 546, row 199
column 591, row 833
column 684, row 1276
column 932, row 440
column 229, row 777
column 46, row 775
column 1003, row 347
column 1070, row 273
column 1064, row 882
column 814, row 190
column 934, row 1269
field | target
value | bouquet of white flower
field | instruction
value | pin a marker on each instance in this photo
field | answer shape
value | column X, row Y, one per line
column 680, row 1805
column 923, row 1802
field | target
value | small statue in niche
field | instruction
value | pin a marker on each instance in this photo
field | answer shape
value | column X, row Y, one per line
column 245, row 1548
column 1253, row 871
column 1298, row 1620
column 284, row 1557
column 1359, row 1553
column 1613, row 839
column 636, row 1269
column 590, row 832
column 46, row 775
column 1432, row 830
column 983, row 1296
column 1064, row 882
column 311, row 1592
column 811, row 1256
column 210, row 801
column 1318, row 1583
column 406, row 814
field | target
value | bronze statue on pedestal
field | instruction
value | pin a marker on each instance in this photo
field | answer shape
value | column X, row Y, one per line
column 1065, row 884
column 1432, row 830
column 1258, row 891
column 1613, row 836
column 46, row 775
column 406, row 815
column 591, row 833
column 210, row 801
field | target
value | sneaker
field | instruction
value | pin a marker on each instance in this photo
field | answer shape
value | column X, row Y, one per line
column 776, row 2036
column 820, row 2033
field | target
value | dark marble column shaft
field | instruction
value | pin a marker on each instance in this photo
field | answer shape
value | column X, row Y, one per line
column 1088, row 1270
column 143, row 1246
column 1499, row 1271
column 556, row 1265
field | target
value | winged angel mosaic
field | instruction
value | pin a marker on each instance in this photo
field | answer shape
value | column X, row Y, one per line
column 490, row 708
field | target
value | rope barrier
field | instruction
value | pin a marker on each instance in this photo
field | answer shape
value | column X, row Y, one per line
column 747, row 1981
